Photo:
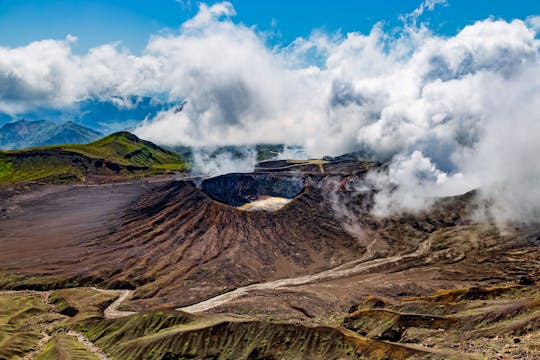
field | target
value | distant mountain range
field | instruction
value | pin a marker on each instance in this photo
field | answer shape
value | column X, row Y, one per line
column 23, row 134
column 102, row 115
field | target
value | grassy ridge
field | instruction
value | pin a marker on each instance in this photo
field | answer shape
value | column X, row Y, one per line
column 22, row 320
column 175, row 335
column 117, row 154
column 482, row 324
column 81, row 304
column 125, row 149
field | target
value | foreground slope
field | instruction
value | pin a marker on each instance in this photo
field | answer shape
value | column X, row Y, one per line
column 472, row 323
column 117, row 154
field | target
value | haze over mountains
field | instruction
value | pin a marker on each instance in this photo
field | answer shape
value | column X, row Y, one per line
column 103, row 115
column 24, row 134
column 81, row 122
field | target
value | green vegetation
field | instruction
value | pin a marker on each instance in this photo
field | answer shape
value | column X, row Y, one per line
column 119, row 154
column 81, row 303
column 65, row 347
column 42, row 167
column 375, row 329
column 41, row 283
column 26, row 317
column 463, row 319
column 263, row 151
column 23, row 318
column 267, row 152
column 175, row 335
column 126, row 149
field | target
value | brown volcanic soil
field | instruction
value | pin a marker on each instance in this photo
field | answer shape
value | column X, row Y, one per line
column 44, row 228
column 288, row 273
column 176, row 246
column 415, row 255
column 180, row 245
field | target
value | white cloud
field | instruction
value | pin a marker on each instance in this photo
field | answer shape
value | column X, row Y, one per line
column 208, row 14
column 210, row 162
column 426, row 5
column 36, row 73
column 419, row 182
column 438, row 106
column 534, row 22
column 185, row 4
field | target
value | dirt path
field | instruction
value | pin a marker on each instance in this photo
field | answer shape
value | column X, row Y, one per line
column 44, row 294
column 131, row 182
column 89, row 345
column 345, row 270
column 84, row 341
column 112, row 312
column 39, row 346
column 45, row 337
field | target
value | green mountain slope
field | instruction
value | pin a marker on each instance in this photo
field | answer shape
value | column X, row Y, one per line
column 119, row 154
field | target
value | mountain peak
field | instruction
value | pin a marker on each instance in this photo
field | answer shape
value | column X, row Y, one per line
column 23, row 133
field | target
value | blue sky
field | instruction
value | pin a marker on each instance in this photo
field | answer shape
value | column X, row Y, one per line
column 133, row 21
column 453, row 112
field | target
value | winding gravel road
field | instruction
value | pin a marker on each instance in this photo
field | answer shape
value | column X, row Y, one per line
column 345, row 270
column 112, row 312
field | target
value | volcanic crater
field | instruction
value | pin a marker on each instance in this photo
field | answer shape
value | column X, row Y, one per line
column 213, row 248
column 252, row 192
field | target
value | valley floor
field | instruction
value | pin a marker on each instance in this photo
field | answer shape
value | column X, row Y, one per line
column 43, row 226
